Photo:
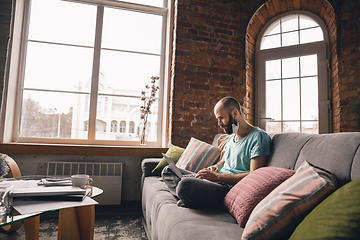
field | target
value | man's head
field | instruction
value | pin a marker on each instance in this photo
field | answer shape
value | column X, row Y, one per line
column 224, row 111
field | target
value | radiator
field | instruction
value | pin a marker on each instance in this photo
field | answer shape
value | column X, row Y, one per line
column 107, row 176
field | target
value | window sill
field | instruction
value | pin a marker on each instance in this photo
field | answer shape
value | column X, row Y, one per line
column 58, row 149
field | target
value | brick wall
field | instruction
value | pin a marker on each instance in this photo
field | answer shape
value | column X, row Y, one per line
column 210, row 60
column 5, row 18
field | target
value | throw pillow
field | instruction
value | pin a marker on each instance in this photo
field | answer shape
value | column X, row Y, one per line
column 198, row 155
column 337, row 217
column 246, row 194
column 278, row 214
column 174, row 152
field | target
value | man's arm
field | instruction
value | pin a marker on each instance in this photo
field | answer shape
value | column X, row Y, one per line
column 232, row 179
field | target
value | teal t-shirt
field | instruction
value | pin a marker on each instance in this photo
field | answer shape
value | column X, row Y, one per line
column 239, row 154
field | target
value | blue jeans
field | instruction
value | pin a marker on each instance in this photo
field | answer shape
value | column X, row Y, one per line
column 194, row 192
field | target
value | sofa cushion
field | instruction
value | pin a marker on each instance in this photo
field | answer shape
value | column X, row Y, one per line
column 278, row 214
column 246, row 194
column 198, row 155
column 337, row 217
column 174, row 152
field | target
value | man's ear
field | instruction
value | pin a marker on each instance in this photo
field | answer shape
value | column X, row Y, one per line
column 234, row 113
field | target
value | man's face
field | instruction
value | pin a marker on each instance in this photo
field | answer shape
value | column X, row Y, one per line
column 225, row 120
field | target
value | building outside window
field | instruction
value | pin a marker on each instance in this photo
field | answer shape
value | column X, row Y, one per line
column 92, row 76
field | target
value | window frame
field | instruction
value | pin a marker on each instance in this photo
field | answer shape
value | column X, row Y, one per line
column 321, row 48
column 10, row 113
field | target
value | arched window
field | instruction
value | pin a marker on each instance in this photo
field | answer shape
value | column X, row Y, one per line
column 113, row 126
column 131, row 127
column 122, row 128
column 292, row 88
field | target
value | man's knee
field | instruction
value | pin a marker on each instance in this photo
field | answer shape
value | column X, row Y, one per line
column 185, row 188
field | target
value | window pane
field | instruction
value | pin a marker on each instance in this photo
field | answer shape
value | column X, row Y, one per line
column 273, row 29
column 56, row 67
column 310, row 127
column 273, row 69
column 307, row 22
column 289, row 23
column 311, row 35
column 291, row 99
column 290, row 67
column 289, row 39
column 308, row 65
column 291, row 127
column 60, row 21
column 41, row 111
column 273, row 128
column 309, row 98
column 122, row 72
column 270, row 42
column 273, row 99
column 118, row 31
column 155, row 3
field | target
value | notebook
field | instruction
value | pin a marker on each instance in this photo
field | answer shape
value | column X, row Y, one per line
column 175, row 169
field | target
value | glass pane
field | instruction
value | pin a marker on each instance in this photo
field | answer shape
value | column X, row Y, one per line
column 122, row 72
column 311, row 35
column 273, row 128
column 56, row 67
column 60, row 21
column 289, row 39
column 41, row 112
column 273, row 69
column 310, row 127
column 291, row 127
column 308, row 65
column 307, row 22
column 126, row 111
column 290, row 67
column 273, row 29
column 155, row 3
column 309, row 98
column 291, row 99
column 118, row 31
column 270, row 42
column 273, row 99
column 289, row 23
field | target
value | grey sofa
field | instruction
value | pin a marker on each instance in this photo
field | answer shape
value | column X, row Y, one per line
column 338, row 153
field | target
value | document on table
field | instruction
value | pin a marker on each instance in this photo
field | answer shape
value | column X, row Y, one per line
column 27, row 207
column 27, row 188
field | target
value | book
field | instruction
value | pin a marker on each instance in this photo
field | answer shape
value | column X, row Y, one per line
column 57, row 181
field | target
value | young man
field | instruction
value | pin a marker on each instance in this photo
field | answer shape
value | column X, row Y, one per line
column 246, row 150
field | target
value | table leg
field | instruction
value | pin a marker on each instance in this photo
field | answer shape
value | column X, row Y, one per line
column 68, row 227
column 86, row 217
column 76, row 223
column 31, row 226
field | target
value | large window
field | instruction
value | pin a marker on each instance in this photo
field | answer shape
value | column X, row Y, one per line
column 292, row 85
column 82, row 69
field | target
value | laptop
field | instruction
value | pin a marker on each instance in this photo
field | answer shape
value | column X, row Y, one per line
column 175, row 169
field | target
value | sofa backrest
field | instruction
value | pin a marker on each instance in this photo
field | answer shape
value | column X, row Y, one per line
column 336, row 152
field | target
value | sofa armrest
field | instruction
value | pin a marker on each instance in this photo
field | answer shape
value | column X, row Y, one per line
column 148, row 164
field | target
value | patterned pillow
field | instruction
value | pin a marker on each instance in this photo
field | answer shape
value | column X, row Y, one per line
column 198, row 155
column 246, row 194
column 278, row 214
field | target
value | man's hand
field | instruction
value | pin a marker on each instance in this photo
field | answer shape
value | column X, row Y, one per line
column 214, row 168
column 208, row 175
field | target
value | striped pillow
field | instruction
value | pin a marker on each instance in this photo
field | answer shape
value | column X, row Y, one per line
column 246, row 194
column 278, row 214
column 198, row 155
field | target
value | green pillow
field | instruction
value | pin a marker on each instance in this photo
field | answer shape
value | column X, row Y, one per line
column 174, row 152
column 337, row 217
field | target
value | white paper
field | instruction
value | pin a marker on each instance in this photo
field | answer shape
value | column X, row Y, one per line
column 27, row 207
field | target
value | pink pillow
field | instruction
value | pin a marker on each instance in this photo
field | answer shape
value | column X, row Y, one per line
column 246, row 194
